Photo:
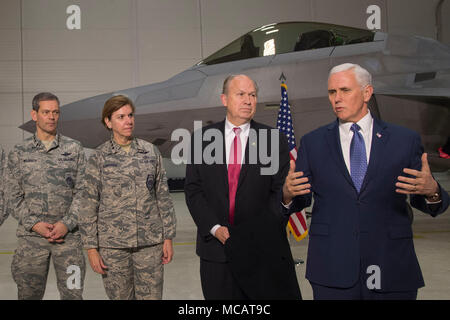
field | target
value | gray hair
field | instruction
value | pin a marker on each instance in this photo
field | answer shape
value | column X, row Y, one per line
column 228, row 79
column 363, row 77
column 43, row 96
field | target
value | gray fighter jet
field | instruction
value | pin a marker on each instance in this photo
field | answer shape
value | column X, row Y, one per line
column 411, row 77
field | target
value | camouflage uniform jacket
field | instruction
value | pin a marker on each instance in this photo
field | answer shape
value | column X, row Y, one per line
column 2, row 186
column 126, row 201
column 41, row 184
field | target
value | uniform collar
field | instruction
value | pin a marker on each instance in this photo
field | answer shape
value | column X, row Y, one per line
column 114, row 147
column 36, row 143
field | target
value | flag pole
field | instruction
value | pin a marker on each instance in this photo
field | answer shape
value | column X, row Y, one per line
column 297, row 221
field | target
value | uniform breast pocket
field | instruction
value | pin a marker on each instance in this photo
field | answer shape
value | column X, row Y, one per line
column 113, row 188
column 148, row 174
column 62, row 177
column 70, row 179
column 31, row 170
column 150, row 182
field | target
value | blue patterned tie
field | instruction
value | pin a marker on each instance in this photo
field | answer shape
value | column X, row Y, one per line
column 358, row 159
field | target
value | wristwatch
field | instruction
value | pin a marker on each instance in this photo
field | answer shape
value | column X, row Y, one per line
column 434, row 197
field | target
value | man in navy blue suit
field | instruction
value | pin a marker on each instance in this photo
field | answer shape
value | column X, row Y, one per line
column 360, row 171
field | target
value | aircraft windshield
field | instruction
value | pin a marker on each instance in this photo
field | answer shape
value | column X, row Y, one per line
column 287, row 37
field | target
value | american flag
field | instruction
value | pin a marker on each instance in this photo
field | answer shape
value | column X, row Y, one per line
column 297, row 220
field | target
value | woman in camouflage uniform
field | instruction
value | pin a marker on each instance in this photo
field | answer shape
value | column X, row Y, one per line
column 127, row 220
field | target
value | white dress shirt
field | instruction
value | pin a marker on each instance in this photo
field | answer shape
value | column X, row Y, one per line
column 346, row 135
column 229, row 137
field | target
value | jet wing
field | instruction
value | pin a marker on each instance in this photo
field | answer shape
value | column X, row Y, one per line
column 420, row 92
column 411, row 76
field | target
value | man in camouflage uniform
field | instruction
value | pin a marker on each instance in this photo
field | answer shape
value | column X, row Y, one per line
column 43, row 175
column 2, row 186
column 126, row 215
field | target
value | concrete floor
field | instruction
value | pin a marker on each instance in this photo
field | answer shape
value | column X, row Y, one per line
column 182, row 279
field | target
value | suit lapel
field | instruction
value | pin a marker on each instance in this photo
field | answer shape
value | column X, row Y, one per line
column 379, row 138
column 334, row 145
column 221, row 168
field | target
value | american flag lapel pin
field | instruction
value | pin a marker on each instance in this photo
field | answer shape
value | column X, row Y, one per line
column 378, row 135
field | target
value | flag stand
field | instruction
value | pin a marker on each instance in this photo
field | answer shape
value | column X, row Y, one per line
column 297, row 261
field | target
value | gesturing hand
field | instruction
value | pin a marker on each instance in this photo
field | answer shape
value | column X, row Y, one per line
column 294, row 185
column 422, row 183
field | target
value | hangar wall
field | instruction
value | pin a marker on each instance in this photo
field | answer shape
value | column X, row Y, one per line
column 127, row 43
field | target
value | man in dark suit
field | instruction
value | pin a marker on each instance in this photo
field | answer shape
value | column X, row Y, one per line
column 360, row 171
column 241, row 238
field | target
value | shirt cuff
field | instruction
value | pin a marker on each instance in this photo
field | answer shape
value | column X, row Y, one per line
column 429, row 202
column 287, row 206
column 29, row 222
column 70, row 225
column 214, row 229
column 90, row 243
